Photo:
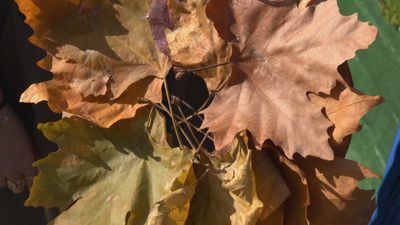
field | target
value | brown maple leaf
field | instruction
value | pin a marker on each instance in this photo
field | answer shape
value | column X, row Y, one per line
column 98, row 60
column 195, row 43
column 63, row 97
column 305, row 3
column 345, row 106
column 321, row 192
column 280, row 53
column 334, row 194
column 295, row 207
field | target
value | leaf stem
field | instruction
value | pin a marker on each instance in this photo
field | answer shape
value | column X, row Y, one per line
column 202, row 142
column 164, row 109
column 188, row 139
column 148, row 125
column 187, row 124
column 196, row 112
column 172, row 114
column 208, row 67
column 210, row 96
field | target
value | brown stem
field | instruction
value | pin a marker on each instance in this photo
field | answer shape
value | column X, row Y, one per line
column 195, row 112
column 208, row 67
column 211, row 96
column 172, row 113
column 187, row 138
column 164, row 109
column 202, row 142
column 187, row 124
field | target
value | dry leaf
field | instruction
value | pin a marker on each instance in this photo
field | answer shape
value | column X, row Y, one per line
column 276, row 218
column 84, row 4
column 295, row 207
column 110, row 176
column 335, row 197
column 324, row 192
column 107, row 50
column 101, row 109
column 173, row 208
column 345, row 106
column 281, row 53
column 195, row 43
column 160, row 19
column 226, row 194
column 303, row 3
column 271, row 187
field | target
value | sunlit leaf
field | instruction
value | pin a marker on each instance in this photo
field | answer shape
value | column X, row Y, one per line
column 281, row 53
column 195, row 43
column 109, row 176
column 95, row 56
column 345, row 106
column 227, row 193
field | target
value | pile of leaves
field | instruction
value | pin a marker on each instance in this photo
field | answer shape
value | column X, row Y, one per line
column 265, row 146
column 391, row 9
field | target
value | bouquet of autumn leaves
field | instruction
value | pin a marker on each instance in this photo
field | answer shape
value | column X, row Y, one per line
column 279, row 116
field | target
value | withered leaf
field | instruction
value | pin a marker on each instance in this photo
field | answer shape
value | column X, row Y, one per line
column 160, row 19
column 276, row 218
column 106, row 51
column 295, row 207
column 227, row 193
column 195, row 43
column 303, row 3
column 345, row 106
column 101, row 110
column 85, row 6
column 334, row 195
column 281, row 52
column 114, row 176
column 271, row 187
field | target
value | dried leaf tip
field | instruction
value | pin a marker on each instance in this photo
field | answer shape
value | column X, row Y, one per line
column 302, row 4
column 159, row 19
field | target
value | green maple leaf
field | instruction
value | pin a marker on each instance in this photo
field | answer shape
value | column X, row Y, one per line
column 120, row 175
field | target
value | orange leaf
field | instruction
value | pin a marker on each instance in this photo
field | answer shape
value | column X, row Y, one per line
column 281, row 52
column 96, row 56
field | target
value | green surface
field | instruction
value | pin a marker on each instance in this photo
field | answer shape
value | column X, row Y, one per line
column 376, row 72
column 391, row 9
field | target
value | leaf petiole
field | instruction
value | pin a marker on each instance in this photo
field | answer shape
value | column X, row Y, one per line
column 178, row 137
column 208, row 67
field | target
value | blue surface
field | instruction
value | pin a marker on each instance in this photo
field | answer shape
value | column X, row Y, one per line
column 388, row 207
